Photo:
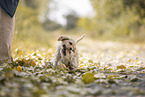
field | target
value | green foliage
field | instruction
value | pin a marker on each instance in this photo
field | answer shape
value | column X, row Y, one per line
column 116, row 18
column 49, row 25
column 87, row 23
column 139, row 4
column 26, row 18
column 71, row 19
column 29, row 28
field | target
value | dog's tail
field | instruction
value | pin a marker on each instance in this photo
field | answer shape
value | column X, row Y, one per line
column 80, row 38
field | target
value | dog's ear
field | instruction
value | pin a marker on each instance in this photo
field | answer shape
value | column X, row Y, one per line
column 63, row 37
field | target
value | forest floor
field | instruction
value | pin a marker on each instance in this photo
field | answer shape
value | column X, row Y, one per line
column 105, row 69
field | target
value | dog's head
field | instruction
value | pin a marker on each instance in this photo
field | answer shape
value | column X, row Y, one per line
column 67, row 43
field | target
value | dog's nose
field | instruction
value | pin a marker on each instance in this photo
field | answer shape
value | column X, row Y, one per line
column 70, row 49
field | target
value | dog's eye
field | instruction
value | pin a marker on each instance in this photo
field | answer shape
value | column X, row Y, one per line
column 70, row 43
column 63, row 45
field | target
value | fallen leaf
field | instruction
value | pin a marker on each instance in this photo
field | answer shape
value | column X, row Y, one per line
column 88, row 78
column 121, row 67
column 18, row 68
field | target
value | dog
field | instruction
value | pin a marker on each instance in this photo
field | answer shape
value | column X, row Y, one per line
column 67, row 52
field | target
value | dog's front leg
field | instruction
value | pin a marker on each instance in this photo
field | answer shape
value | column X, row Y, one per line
column 75, row 62
column 57, row 56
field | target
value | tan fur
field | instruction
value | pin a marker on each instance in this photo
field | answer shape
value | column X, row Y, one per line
column 67, row 52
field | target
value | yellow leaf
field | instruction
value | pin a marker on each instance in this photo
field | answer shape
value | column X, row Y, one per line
column 19, row 52
column 88, row 78
column 136, row 60
column 19, row 68
column 9, row 75
column 33, row 63
column 112, row 76
column 121, row 67
column 109, row 77
column 81, row 66
column 130, row 60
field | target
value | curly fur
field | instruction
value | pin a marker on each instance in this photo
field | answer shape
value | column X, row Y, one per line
column 67, row 52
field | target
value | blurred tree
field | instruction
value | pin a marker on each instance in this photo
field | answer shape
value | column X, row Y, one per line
column 116, row 17
column 26, row 17
column 41, row 8
column 71, row 19
column 139, row 4
column 31, row 3
column 50, row 25
column 34, row 13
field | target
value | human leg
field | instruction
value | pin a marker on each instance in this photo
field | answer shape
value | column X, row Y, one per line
column 7, row 25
